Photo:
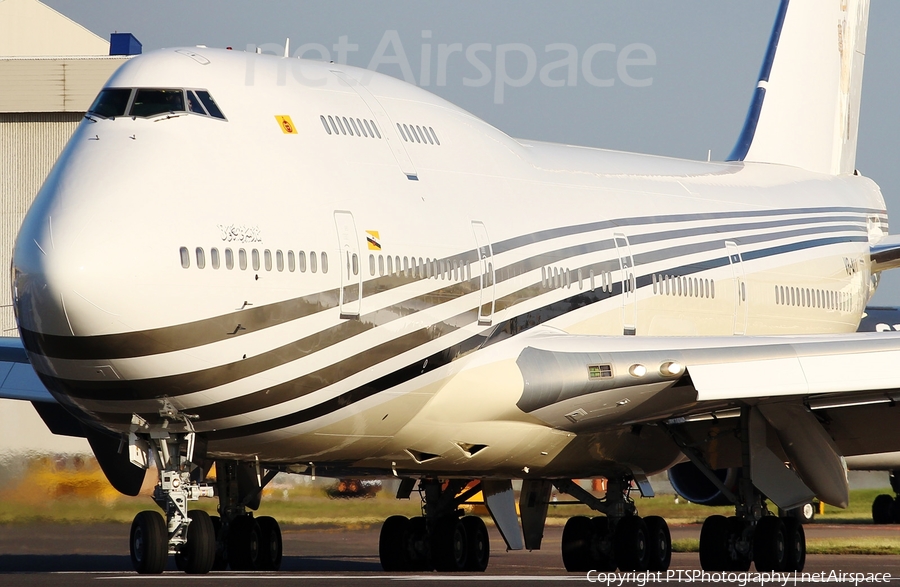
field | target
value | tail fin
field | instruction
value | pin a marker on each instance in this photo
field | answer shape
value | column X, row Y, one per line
column 805, row 111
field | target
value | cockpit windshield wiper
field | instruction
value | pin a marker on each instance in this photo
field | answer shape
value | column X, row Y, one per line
column 171, row 115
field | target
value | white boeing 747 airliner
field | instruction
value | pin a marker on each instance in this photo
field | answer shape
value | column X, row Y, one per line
column 278, row 265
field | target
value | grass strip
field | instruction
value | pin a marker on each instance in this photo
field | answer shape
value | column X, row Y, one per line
column 832, row 546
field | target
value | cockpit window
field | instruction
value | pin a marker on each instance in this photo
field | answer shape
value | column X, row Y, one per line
column 153, row 102
column 194, row 104
column 210, row 104
column 148, row 102
column 111, row 102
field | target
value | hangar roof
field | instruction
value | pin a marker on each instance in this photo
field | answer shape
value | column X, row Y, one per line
column 31, row 29
column 48, row 62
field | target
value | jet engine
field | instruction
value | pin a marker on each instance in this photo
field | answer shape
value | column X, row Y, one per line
column 690, row 483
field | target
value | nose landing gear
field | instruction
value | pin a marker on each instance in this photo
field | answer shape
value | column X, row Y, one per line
column 199, row 542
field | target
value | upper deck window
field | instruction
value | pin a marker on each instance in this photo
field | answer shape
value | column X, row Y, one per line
column 153, row 102
column 111, row 102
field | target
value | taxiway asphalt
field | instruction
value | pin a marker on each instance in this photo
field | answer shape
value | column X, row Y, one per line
column 62, row 555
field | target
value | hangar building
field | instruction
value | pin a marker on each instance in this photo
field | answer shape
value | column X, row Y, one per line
column 51, row 69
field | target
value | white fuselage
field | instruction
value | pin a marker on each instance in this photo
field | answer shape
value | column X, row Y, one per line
column 402, row 353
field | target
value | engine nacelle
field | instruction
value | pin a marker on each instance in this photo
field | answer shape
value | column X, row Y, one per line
column 690, row 483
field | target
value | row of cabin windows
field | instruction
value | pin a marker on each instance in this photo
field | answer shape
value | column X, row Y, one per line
column 805, row 297
column 690, row 287
column 256, row 259
column 341, row 125
column 418, row 134
column 554, row 277
column 446, row 269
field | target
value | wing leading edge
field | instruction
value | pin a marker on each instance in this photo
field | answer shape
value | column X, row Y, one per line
column 17, row 379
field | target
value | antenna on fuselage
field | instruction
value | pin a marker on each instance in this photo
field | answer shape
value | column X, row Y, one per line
column 287, row 47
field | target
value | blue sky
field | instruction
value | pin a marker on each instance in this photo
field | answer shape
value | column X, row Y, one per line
column 664, row 77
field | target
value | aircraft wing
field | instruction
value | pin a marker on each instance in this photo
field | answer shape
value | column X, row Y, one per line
column 807, row 400
column 17, row 379
column 582, row 382
column 885, row 254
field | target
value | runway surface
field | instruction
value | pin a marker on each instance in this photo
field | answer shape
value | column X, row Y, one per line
column 97, row 555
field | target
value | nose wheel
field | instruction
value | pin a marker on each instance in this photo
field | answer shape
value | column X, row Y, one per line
column 149, row 543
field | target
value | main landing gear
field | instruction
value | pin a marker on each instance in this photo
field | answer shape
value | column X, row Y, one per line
column 619, row 540
column 886, row 508
column 753, row 534
column 441, row 539
column 199, row 542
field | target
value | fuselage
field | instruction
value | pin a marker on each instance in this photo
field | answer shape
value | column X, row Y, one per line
column 348, row 284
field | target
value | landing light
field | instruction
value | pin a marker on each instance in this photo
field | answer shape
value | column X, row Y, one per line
column 637, row 370
column 671, row 369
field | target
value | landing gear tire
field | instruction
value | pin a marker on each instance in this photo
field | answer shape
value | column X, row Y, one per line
column 479, row 545
column 270, row 546
column 895, row 511
column 769, row 547
column 806, row 512
column 795, row 545
column 631, row 544
column 149, row 543
column 577, row 536
column 392, row 544
column 881, row 509
column 602, row 552
column 719, row 540
column 659, row 544
column 198, row 555
column 220, row 563
column 243, row 544
column 417, row 545
column 449, row 545
column 713, row 543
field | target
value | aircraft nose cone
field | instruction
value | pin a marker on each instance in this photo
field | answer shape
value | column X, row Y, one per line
column 37, row 276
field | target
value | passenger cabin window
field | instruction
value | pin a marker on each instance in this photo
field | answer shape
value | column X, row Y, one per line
column 185, row 257
column 111, row 102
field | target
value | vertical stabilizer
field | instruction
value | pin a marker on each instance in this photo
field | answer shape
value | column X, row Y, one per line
column 805, row 111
